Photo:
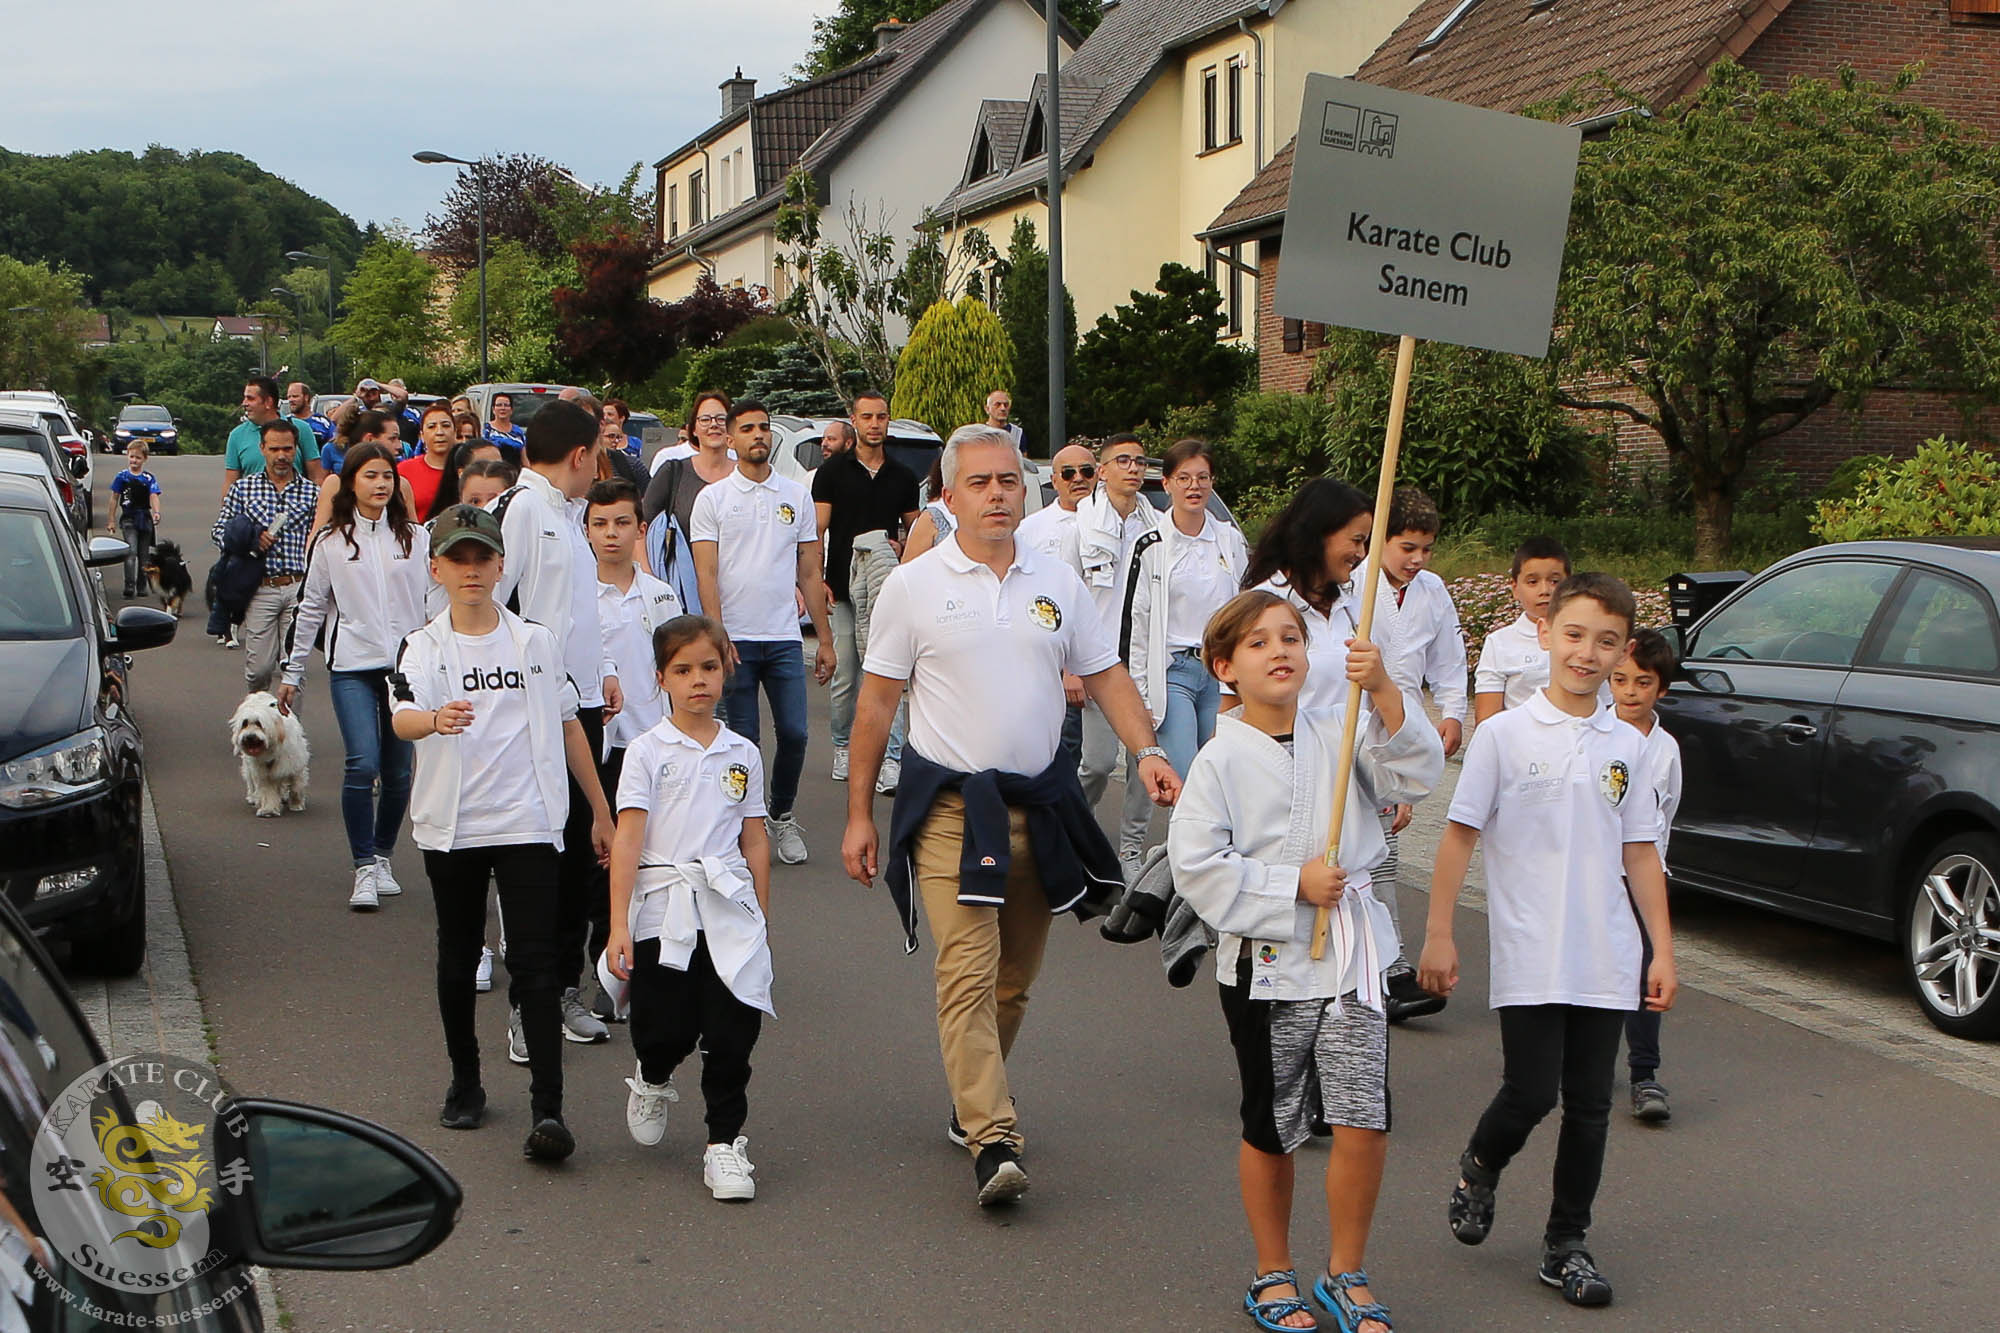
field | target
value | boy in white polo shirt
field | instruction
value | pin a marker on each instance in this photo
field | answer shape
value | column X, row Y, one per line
column 1513, row 662
column 1556, row 789
column 755, row 539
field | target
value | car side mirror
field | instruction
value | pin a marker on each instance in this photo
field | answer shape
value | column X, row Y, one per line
column 1676, row 638
column 329, row 1191
column 140, row 627
column 79, row 466
column 106, row 551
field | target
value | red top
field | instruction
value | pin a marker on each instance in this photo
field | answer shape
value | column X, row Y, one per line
column 424, row 480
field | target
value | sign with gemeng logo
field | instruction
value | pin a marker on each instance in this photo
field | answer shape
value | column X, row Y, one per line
column 1419, row 216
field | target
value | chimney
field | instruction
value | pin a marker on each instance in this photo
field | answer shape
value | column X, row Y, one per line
column 737, row 93
column 887, row 31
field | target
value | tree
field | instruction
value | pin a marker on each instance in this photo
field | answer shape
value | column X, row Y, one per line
column 607, row 325
column 797, row 384
column 848, row 34
column 1155, row 354
column 520, row 313
column 521, row 195
column 42, row 348
column 843, row 292
column 1741, row 261
column 389, row 327
column 941, row 265
column 1024, row 313
column 710, row 313
column 957, row 354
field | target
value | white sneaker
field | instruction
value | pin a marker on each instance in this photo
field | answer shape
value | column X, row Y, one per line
column 482, row 980
column 646, row 1107
column 891, row 774
column 788, row 840
column 517, row 1039
column 385, row 878
column 726, row 1171
column 840, row 763
column 364, row 898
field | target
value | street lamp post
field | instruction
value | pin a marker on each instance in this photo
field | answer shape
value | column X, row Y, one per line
column 332, row 306
column 27, row 340
column 298, row 323
column 430, row 158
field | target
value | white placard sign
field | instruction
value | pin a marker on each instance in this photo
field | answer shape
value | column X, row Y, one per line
column 1414, row 215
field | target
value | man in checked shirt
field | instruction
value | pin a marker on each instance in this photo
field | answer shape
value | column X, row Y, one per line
column 281, row 502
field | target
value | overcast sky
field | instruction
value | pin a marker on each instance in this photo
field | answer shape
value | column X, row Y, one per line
column 336, row 94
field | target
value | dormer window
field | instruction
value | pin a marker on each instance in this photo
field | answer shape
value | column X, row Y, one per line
column 982, row 159
column 1451, row 20
column 1036, row 142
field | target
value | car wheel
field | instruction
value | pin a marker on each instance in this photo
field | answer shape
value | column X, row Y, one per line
column 1951, row 935
column 121, row 950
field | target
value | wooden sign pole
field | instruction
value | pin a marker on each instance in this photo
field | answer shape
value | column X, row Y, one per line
column 1378, row 536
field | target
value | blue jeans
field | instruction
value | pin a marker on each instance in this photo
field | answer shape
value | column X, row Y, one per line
column 780, row 666
column 1192, row 698
column 361, row 706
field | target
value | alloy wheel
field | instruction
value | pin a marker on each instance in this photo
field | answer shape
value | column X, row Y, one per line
column 1954, row 939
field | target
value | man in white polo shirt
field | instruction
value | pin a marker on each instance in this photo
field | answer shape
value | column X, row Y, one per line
column 1051, row 530
column 755, row 540
column 982, row 628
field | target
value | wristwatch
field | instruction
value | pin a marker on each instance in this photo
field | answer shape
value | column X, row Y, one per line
column 1150, row 752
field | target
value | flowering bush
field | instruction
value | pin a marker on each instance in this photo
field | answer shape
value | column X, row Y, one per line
column 1486, row 602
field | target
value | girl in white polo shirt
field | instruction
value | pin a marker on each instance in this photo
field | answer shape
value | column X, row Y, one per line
column 690, row 884
column 1557, row 789
column 1247, row 845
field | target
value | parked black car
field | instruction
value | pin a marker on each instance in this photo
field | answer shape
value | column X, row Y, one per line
column 327, row 1190
column 71, row 758
column 1839, row 724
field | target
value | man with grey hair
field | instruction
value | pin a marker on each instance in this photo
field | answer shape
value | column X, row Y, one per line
column 990, row 820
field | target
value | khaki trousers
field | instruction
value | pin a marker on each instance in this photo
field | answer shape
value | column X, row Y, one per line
column 987, row 958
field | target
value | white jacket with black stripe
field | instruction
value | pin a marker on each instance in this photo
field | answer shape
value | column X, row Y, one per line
column 367, row 594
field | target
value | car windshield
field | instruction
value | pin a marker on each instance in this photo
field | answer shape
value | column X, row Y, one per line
column 526, row 404
column 150, row 415
column 35, row 601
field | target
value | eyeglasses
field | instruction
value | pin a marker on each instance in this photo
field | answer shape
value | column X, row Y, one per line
column 1127, row 460
column 1191, row 480
column 712, row 419
column 1070, row 472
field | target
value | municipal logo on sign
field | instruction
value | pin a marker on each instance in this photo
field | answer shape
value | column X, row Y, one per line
column 1358, row 130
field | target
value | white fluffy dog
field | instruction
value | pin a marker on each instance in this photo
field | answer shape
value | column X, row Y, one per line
column 273, row 749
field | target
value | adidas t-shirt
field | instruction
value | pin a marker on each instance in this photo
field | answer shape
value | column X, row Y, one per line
column 500, row 802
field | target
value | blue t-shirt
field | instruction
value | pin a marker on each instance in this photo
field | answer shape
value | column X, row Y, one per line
column 134, row 491
column 244, row 455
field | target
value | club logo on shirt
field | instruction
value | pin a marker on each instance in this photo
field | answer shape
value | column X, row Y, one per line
column 1044, row 612
column 786, row 514
column 734, row 781
column 1614, row 780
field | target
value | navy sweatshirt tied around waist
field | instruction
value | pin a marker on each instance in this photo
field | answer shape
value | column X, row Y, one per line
column 1078, row 867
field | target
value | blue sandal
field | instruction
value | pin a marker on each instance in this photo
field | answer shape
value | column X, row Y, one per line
column 1331, row 1292
column 1268, row 1313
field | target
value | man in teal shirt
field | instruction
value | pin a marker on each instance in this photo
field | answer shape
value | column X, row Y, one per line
column 244, row 454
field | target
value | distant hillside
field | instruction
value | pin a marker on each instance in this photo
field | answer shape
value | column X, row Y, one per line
column 165, row 230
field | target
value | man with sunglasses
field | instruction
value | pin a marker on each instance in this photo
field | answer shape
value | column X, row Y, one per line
column 1051, row 531
column 1113, row 526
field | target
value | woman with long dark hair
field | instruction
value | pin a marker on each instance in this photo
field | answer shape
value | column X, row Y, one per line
column 433, row 483
column 366, row 573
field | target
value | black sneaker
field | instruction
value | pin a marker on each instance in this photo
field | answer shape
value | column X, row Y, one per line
column 999, row 1175
column 1470, row 1213
column 1406, row 999
column 464, row 1108
column 1649, row 1102
column 601, row 1006
column 1575, row 1273
column 550, row 1140
column 955, row 1131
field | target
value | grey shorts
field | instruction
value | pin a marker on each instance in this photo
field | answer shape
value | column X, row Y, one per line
column 1306, row 1060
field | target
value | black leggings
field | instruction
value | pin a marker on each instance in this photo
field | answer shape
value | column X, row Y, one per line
column 675, row 1011
column 525, row 874
column 1550, row 1050
column 584, row 908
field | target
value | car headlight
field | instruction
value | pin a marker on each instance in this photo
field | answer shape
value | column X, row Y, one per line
column 122, row 433
column 54, row 773
column 168, row 434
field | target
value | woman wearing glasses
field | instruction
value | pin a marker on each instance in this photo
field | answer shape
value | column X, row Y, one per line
column 1184, row 578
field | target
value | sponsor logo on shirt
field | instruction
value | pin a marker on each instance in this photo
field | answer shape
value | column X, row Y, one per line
column 956, row 612
column 734, row 781
column 1267, row 954
column 496, row 679
column 1044, row 612
column 1613, row 781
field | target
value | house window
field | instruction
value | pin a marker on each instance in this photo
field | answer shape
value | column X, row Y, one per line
column 982, row 159
column 1235, row 99
column 1033, row 146
column 694, row 199
column 1443, row 29
column 1235, row 296
column 673, row 211
column 1210, row 138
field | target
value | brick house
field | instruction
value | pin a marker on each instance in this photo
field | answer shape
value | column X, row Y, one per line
column 1509, row 54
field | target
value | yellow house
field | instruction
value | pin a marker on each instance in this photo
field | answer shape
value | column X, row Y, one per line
column 1168, row 109
column 869, row 133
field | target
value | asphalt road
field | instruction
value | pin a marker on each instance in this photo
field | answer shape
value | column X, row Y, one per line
column 1804, row 1179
